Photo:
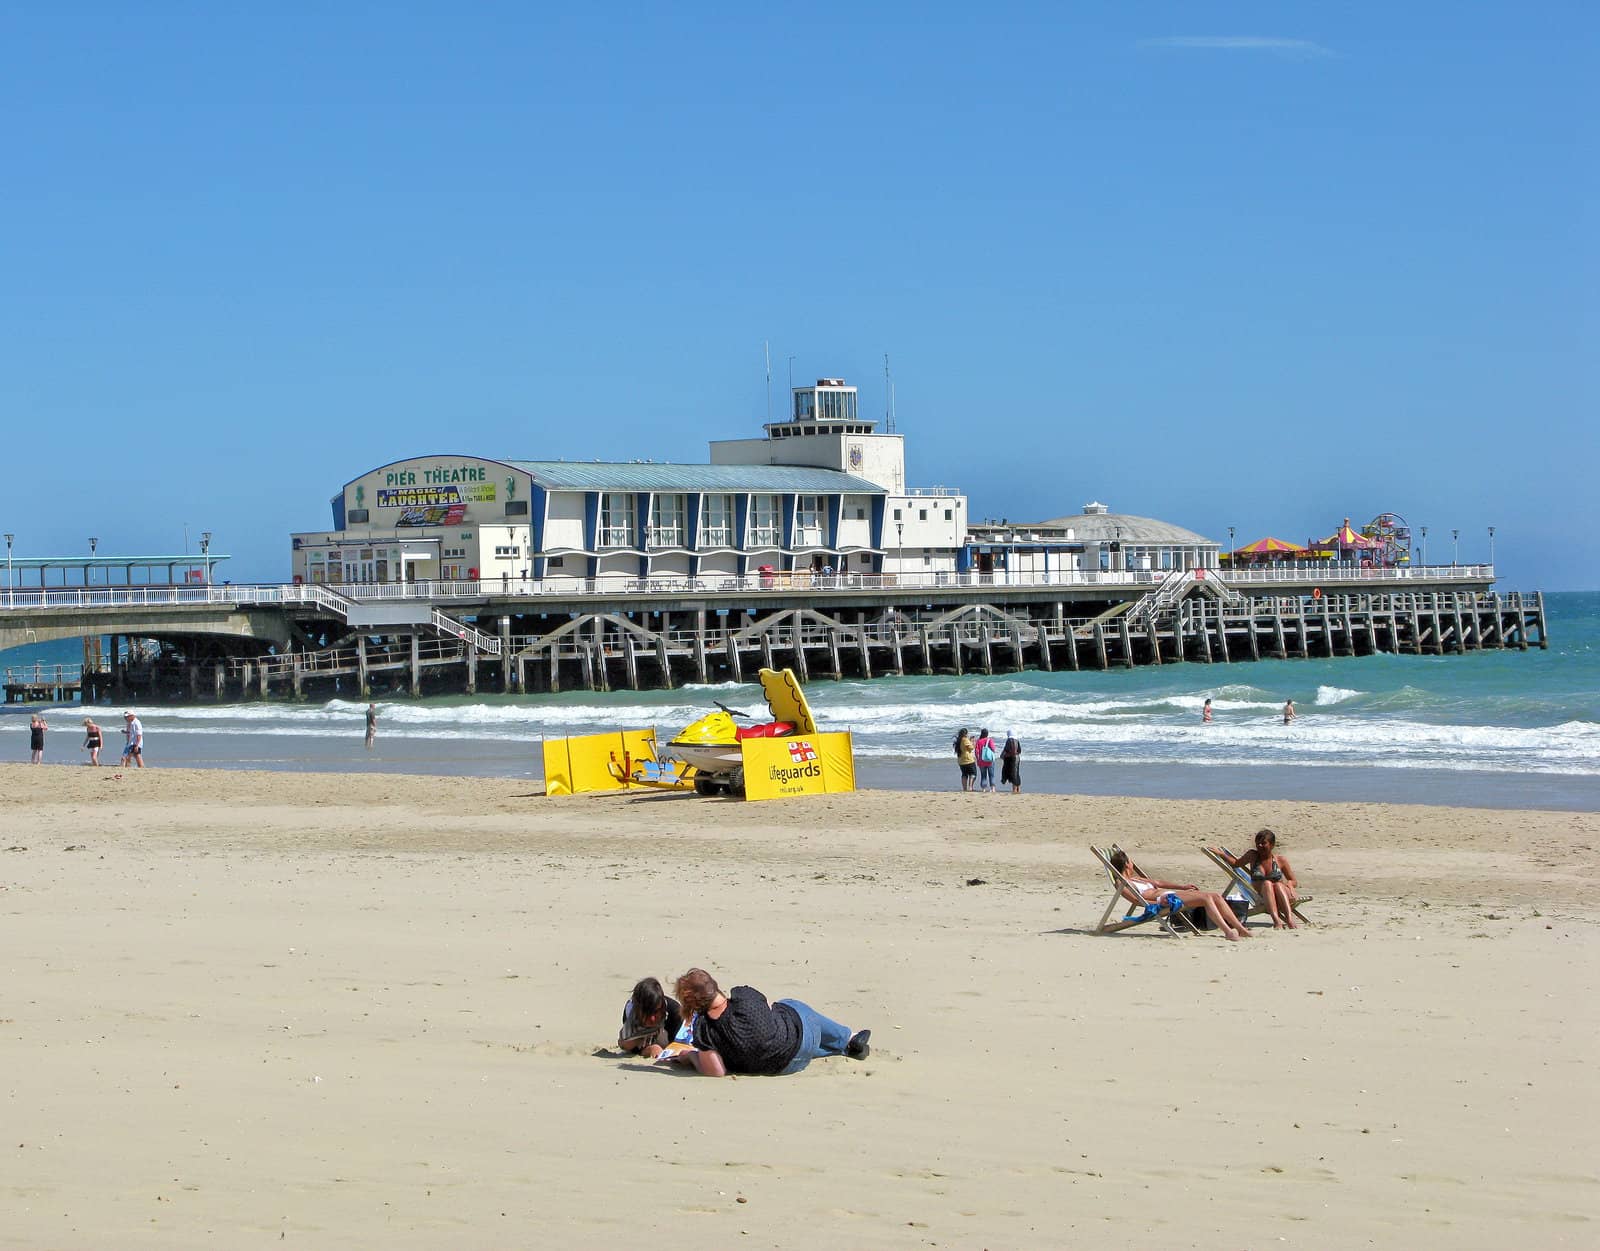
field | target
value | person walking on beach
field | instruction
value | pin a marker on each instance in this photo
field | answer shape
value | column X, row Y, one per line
column 133, row 731
column 93, row 740
column 1011, row 763
column 1205, row 713
column 372, row 724
column 1288, row 711
column 741, row 1033
column 986, row 752
column 36, row 729
column 967, row 759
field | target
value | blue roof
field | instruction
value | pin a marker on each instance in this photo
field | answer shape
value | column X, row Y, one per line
column 577, row 475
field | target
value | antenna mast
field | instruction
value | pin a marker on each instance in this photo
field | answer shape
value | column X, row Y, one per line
column 766, row 348
column 888, row 396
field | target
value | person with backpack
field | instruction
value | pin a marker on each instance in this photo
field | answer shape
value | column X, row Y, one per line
column 967, row 758
column 987, row 753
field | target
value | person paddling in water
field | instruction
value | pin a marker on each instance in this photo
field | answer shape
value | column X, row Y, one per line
column 1205, row 713
column 1288, row 712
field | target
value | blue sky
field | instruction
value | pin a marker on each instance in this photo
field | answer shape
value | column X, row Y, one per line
column 1260, row 265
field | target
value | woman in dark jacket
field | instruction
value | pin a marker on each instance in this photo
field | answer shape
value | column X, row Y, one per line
column 741, row 1033
column 1011, row 764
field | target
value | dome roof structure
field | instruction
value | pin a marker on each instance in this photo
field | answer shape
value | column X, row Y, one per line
column 1094, row 527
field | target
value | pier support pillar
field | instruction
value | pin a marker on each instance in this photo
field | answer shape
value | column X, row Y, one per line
column 927, row 648
column 1155, row 640
column 1126, row 638
column 630, row 660
column 1072, row 649
column 520, row 667
column 470, row 655
column 297, row 677
column 766, row 652
column 700, row 655
column 1100, row 645
column 555, row 668
column 362, row 681
column 983, row 649
column 1016, row 648
column 588, row 666
column 664, row 659
column 730, row 646
column 1222, row 638
column 1544, row 638
column 416, row 667
column 866, row 655
column 219, row 680
column 261, row 679
column 833, row 652
column 955, row 647
column 899, row 656
column 799, row 647
column 1204, row 634
column 194, row 684
column 505, row 654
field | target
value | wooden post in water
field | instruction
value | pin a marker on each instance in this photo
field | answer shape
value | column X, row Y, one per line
column 1100, row 645
column 899, row 657
column 1016, row 648
column 1280, row 645
column 731, row 652
column 1072, row 648
column 1041, row 637
column 866, row 656
column 194, row 684
column 833, row 652
column 298, row 677
column 1125, row 637
column 416, row 667
column 555, row 668
column 766, row 649
column 1154, row 636
column 1202, row 631
column 362, row 682
column 1222, row 636
column 799, row 647
column 630, row 660
column 955, row 647
column 700, row 657
column 505, row 654
column 219, row 680
column 261, row 678
column 469, row 652
column 927, row 648
column 587, row 655
column 1544, row 637
column 983, row 648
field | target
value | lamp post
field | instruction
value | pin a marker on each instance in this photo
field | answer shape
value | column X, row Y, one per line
column 1491, row 547
column 88, row 574
column 899, row 547
column 1455, row 546
column 205, row 548
column 1230, row 547
column 1424, row 530
column 10, row 594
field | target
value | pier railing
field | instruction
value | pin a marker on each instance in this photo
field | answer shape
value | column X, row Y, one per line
column 336, row 597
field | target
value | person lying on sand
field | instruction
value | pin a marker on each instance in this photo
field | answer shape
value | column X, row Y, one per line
column 1271, row 876
column 651, row 1019
column 741, row 1033
column 1142, row 888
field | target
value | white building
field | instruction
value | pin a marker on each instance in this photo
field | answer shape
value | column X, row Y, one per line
column 1095, row 540
column 821, row 493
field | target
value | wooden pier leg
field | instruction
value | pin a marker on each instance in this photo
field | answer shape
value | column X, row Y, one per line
column 1100, row 645
column 416, row 667
column 1016, row 648
column 983, row 648
column 261, row 679
column 800, row 665
column 363, row 681
column 1254, row 634
column 1041, row 640
column 700, row 657
column 866, row 656
column 588, row 666
column 766, row 651
column 630, row 658
column 219, row 680
column 1154, row 636
column 833, row 652
column 469, row 653
column 1455, row 615
column 505, row 654
column 927, row 648
column 1222, row 637
column 555, row 668
column 955, row 648
column 1125, row 637
column 1497, row 622
column 664, row 658
column 731, row 652
column 1279, row 645
column 520, row 669
column 899, row 656
column 297, row 678
column 194, row 684
column 1072, row 649
column 1544, row 637
column 1205, row 637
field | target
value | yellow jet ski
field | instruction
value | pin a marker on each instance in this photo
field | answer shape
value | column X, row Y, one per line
column 711, row 744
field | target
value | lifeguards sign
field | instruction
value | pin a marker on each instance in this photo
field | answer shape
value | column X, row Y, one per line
column 808, row 764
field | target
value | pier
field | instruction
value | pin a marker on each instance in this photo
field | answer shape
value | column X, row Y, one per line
column 305, row 642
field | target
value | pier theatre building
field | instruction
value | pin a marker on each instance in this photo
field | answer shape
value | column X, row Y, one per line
column 820, row 494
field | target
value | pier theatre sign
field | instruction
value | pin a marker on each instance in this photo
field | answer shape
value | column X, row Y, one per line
column 434, row 496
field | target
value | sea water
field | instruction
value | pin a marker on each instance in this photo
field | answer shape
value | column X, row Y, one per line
column 1493, row 728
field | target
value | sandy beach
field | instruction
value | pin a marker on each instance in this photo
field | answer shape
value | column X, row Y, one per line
column 342, row 1011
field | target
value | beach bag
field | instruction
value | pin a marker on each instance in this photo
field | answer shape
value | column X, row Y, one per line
column 986, row 752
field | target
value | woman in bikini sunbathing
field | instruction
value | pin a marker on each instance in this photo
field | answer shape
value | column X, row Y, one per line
column 1271, row 875
column 1152, row 890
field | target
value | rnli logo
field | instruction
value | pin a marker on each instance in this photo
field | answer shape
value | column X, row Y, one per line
column 802, row 751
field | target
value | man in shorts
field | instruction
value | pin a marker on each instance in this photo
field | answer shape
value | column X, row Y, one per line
column 133, row 731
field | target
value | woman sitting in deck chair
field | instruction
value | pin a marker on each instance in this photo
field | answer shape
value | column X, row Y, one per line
column 1152, row 890
column 1270, row 877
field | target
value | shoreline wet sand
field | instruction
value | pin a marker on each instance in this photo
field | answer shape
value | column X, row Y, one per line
column 360, row 1008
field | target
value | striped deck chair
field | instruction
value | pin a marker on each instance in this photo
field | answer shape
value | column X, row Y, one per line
column 1134, row 913
column 1241, row 887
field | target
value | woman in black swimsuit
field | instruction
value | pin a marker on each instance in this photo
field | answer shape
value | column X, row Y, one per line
column 1272, row 877
column 91, row 740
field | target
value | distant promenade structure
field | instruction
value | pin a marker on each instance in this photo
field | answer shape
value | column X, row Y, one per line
column 805, row 547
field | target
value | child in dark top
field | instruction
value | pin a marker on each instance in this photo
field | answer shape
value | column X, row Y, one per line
column 650, row 1020
column 741, row 1033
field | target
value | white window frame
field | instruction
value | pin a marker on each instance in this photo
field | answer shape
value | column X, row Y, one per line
column 666, row 520
column 810, row 521
column 766, row 520
column 616, row 519
column 716, row 520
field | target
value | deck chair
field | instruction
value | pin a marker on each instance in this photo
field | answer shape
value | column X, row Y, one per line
column 1169, row 921
column 1241, row 887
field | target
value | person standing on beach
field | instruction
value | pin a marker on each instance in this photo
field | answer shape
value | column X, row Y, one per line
column 372, row 724
column 967, row 759
column 93, row 740
column 986, row 753
column 36, row 729
column 133, row 730
column 1288, row 711
column 1011, row 763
